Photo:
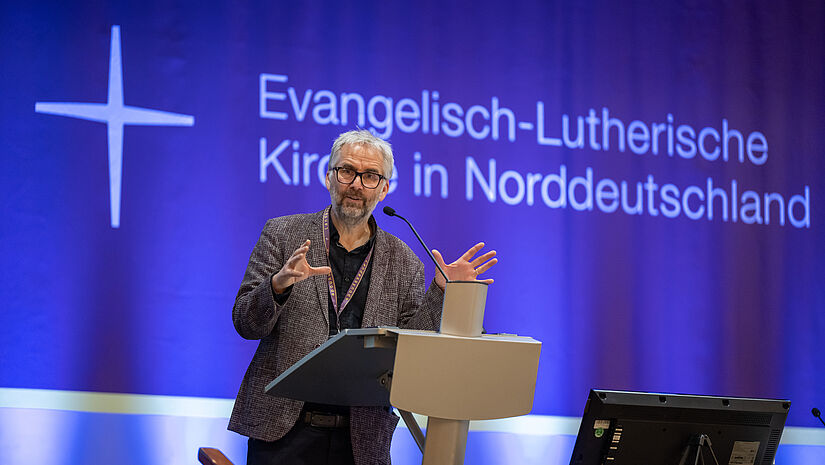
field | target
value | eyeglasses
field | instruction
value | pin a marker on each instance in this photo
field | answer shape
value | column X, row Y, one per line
column 369, row 179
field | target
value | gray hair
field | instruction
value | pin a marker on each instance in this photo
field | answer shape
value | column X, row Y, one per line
column 362, row 137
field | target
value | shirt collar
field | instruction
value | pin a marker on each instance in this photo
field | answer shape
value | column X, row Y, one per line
column 334, row 236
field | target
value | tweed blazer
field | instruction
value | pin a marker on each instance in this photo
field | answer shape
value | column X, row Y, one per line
column 288, row 332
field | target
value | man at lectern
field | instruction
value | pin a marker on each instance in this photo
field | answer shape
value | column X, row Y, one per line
column 312, row 275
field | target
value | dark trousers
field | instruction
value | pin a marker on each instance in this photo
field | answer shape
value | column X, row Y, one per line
column 303, row 445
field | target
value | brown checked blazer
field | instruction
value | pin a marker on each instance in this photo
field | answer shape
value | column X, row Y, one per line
column 288, row 332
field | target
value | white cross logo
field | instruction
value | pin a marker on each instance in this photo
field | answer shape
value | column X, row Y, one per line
column 116, row 115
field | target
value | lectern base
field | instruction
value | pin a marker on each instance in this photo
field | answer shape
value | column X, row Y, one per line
column 446, row 441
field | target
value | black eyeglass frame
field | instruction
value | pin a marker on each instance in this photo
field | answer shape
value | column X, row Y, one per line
column 358, row 174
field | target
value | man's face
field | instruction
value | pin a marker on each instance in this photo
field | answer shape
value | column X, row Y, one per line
column 354, row 203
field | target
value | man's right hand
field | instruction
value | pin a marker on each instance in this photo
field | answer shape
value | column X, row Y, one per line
column 296, row 269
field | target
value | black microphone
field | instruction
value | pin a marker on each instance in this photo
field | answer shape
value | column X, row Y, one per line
column 815, row 412
column 389, row 211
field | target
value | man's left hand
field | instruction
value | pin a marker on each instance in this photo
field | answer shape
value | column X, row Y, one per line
column 466, row 268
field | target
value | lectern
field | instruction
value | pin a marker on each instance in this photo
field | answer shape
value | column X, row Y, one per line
column 452, row 376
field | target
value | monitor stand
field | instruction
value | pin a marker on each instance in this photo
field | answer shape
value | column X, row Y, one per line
column 694, row 450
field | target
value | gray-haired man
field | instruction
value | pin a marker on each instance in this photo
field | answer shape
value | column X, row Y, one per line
column 312, row 275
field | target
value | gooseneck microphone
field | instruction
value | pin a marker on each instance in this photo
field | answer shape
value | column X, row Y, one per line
column 815, row 412
column 389, row 211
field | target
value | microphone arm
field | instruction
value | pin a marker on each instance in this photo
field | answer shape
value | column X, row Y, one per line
column 391, row 212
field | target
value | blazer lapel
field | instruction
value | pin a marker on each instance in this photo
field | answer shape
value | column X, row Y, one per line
column 380, row 265
column 316, row 257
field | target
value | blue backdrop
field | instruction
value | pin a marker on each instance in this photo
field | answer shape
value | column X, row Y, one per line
column 649, row 173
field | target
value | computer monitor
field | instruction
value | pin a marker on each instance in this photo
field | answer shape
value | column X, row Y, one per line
column 641, row 428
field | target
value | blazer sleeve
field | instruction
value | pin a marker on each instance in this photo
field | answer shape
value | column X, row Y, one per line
column 256, row 311
column 419, row 309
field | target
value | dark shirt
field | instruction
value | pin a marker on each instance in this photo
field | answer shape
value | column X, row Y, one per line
column 345, row 266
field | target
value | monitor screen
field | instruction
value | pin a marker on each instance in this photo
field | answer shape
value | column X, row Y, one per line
column 640, row 428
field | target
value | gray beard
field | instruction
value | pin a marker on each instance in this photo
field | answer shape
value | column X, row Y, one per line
column 351, row 216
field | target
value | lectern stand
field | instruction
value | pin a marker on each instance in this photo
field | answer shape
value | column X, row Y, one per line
column 451, row 378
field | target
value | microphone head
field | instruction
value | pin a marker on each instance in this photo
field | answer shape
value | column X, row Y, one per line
column 389, row 211
column 815, row 411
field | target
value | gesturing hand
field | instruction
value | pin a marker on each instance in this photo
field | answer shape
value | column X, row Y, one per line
column 466, row 268
column 296, row 269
